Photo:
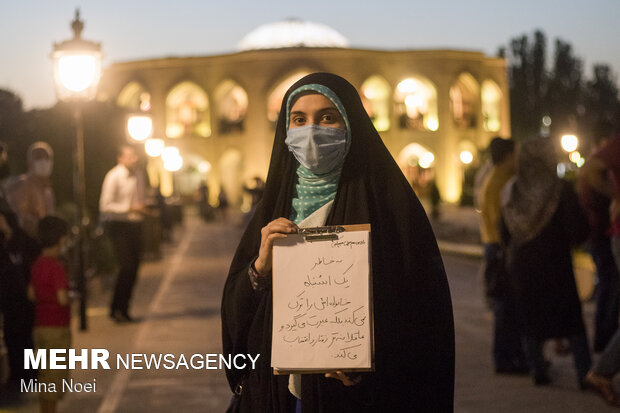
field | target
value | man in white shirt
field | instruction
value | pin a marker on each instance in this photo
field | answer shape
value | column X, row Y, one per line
column 122, row 207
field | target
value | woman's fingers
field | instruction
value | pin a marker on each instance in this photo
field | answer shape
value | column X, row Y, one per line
column 281, row 225
column 278, row 228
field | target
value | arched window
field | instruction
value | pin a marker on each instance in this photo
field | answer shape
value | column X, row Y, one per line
column 231, row 102
column 187, row 111
column 417, row 163
column 376, row 100
column 135, row 97
column 275, row 97
column 491, row 106
column 416, row 104
column 463, row 100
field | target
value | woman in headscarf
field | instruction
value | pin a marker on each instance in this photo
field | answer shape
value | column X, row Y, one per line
column 541, row 222
column 330, row 167
column 31, row 196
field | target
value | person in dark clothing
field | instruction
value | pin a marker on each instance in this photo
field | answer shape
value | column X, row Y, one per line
column 357, row 181
column 17, row 252
column 596, row 205
column 256, row 190
column 508, row 354
column 204, row 208
column 600, row 378
column 222, row 206
column 541, row 221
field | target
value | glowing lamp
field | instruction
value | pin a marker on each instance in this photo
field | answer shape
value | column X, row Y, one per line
column 172, row 159
column 173, row 164
column 466, row 157
column 77, row 66
column 432, row 124
column 139, row 127
column 204, row 167
column 569, row 143
column 426, row 160
column 154, row 147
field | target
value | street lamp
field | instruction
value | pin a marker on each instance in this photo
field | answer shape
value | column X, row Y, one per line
column 77, row 69
column 140, row 127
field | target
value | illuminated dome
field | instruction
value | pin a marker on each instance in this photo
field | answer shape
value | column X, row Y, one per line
column 292, row 33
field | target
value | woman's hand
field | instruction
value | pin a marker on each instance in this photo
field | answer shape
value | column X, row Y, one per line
column 346, row 380
column 278, row 228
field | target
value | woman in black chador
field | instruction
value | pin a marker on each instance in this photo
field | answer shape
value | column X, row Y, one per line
column 541, row 222
column 330, row 167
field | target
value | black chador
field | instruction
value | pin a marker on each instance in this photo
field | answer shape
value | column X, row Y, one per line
column 414, row 329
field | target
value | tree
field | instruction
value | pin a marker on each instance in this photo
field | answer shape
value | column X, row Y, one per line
column 590, row 109
column 528, row 81
column 564, row 92
column 601, row 103
column 13, row 127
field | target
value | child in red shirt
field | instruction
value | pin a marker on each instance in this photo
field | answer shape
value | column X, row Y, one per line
column 48, row 289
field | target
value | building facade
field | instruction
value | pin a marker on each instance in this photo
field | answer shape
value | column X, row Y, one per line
column 431, row 107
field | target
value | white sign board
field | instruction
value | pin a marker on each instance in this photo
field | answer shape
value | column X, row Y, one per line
column 322, row 313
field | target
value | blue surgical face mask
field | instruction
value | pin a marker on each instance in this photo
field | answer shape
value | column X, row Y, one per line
column 318, row 148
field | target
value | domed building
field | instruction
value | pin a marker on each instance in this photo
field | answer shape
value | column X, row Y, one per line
column 434, row 109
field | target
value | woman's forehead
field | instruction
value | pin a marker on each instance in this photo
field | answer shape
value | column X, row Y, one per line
column 311, row 101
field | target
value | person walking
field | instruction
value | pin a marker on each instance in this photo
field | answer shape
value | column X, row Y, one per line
column 329, row 166
column 602, row 173
column 596, row 205
column 122, row 207
column 601, row 376
column 541, row 222
column 508, row 354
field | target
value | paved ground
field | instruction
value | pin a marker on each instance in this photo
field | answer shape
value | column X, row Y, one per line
column 179, row 300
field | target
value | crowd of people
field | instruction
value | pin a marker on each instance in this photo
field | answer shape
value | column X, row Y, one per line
column 530, row 222
column 34, row 243
column 26, row 203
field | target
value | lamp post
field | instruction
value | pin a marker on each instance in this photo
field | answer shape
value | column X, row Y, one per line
column 77, row 69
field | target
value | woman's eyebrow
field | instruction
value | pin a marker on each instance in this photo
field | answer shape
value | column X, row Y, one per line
column 329, row 109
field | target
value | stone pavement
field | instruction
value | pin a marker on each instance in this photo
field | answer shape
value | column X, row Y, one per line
column 178, row 302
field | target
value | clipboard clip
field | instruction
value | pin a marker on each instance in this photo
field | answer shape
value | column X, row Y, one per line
column 327, row 233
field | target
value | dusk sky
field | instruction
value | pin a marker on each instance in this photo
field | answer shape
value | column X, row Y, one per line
column 132, row 30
